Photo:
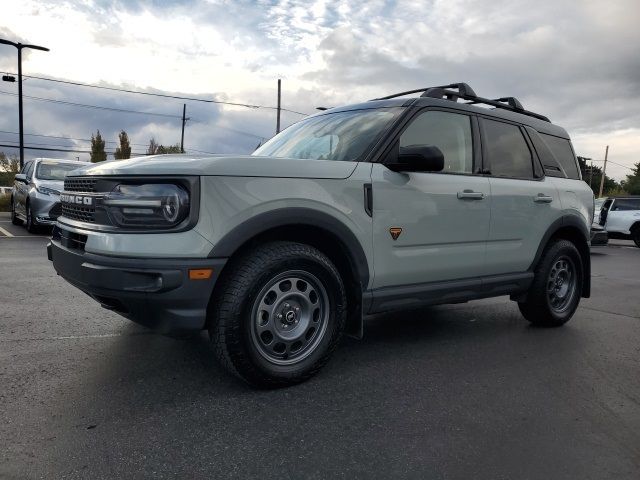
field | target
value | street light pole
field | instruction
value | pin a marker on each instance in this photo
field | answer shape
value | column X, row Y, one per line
column 20, row 46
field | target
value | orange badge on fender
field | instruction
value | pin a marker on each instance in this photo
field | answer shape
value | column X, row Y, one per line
column 395, row 232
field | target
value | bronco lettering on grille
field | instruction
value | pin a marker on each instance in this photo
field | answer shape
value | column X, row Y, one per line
column 76, row 199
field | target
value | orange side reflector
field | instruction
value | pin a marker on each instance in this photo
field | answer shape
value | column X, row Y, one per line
column 200, row 273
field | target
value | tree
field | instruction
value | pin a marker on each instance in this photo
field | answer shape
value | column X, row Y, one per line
column 153, row 147
column 124, row 150
column 157, row 149
column 97, row 148
column 610, row 185
column 9, row 164
column 632, row 183
column 170, row 149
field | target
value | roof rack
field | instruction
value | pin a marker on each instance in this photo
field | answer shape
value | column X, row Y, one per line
column 465, row 92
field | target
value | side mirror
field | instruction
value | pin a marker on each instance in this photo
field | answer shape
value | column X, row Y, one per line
column 21, row 177
column 418, row 158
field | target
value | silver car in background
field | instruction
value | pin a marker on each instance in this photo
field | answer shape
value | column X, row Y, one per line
column 35, row 199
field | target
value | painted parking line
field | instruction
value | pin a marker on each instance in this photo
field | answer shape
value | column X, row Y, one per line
column 5, row 232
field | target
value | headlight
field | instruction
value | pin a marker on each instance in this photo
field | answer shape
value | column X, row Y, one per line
column 47, row 190
column 148, row 205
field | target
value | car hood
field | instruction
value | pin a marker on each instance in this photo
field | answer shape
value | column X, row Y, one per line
column 222, row 165
column 55, row 184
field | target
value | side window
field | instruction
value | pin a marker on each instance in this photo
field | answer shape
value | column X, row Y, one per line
column 508, row 152
column 450, row 132
column 29, row 170
column 561, row 149
column 551, row 166
column 625, row 204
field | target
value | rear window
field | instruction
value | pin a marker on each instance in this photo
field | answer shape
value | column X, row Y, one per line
column 561, row 149
column 626, row 204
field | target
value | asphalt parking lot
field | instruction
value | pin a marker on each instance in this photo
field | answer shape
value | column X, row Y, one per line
column 458, row 391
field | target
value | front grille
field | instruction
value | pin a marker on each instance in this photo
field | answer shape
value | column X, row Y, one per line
column 80, row 184
column 82, row 214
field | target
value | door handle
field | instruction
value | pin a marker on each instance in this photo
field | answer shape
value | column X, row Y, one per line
column 542, row 198
column 470, row 195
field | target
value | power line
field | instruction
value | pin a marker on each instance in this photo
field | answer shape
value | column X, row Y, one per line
column 163, row 95
column 618, row 164
column 61, row 149
column 97, row 107
column 67, row 138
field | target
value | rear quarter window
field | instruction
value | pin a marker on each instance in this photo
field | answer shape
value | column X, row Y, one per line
column 561, row 149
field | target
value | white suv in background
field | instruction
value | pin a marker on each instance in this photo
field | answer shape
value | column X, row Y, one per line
column 620, row 217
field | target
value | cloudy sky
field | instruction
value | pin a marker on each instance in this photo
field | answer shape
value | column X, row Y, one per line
column 574, row 61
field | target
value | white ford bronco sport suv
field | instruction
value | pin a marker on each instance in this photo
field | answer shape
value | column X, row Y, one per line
column 393, row 203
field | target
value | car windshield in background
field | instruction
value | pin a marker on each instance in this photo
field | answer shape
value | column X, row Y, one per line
column 345, row 136
column 54, row 171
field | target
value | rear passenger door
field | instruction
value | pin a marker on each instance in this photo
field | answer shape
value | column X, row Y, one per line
column 524, row 203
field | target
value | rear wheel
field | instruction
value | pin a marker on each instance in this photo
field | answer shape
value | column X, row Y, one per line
column 635, row 235
column 557, row 285
column 278, row 314
column 14, row 218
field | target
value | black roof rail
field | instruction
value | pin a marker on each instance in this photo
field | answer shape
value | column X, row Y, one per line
column 465, row 92
column 463, row 89
column 511, row 101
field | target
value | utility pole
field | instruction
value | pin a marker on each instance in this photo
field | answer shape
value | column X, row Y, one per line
column 591, row 174
column 184, row 120
column 20, row 46
column 279, row 97
column 604, row 169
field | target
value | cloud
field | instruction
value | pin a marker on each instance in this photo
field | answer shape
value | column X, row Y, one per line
column 574, row 61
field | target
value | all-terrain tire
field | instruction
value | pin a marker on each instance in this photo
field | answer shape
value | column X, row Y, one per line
column 249, row 332
column 557, row 286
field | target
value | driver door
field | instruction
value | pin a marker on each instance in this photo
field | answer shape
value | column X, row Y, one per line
column 432, row 227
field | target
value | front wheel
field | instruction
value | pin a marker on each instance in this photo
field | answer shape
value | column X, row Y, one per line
column 32, row 226
column 557, row 286
column 278, row 314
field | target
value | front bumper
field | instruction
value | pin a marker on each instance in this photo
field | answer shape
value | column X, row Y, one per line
column 154, row 292
column 45, row 208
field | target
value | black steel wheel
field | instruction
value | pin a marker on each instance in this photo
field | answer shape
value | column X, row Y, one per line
column 290, row 317
column 277, row 313
column 557, row 286
column 561, row 284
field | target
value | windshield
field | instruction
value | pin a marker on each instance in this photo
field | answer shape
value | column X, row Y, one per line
column 54, row 171
column 346, row 136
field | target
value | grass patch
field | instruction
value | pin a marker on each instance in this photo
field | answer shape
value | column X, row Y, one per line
column 5, row 203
